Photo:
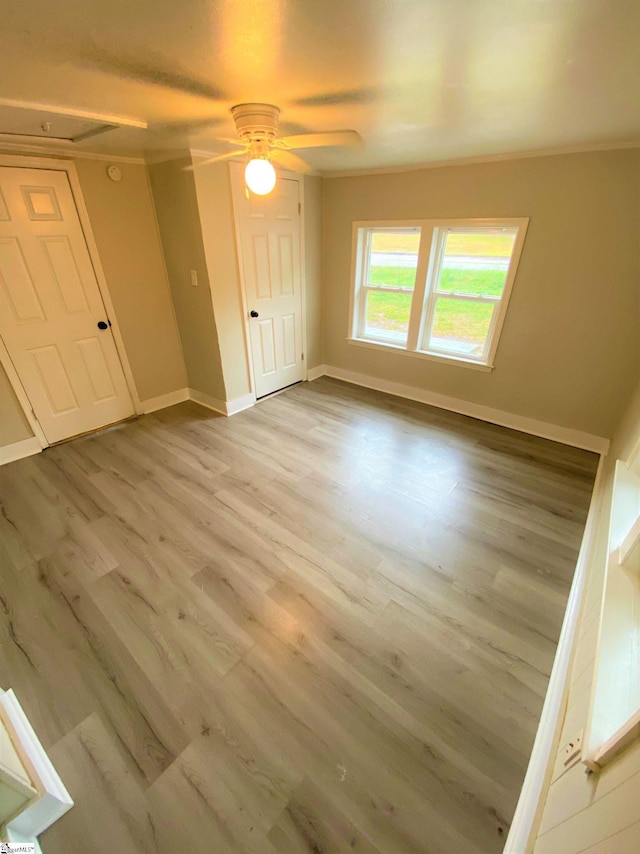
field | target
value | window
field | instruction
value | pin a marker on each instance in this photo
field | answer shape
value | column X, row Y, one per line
column 436, row 289
column 388, row 282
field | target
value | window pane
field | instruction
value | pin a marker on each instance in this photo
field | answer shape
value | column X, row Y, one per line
column 387, row 316
column 394, row 258
column 460, row 326
column 476, row 262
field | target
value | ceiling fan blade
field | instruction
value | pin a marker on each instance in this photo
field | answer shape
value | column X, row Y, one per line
column 155, row 70
column 231, row 141
column 347, row 97
column 215, row 159
column 187, row 125
column 320, row 140
column 291, row 161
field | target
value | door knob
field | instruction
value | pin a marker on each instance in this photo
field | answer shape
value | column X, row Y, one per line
column 254, row 314
column 103, row 325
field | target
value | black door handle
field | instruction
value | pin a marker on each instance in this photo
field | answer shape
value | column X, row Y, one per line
column 254, row 314
column 103, row 325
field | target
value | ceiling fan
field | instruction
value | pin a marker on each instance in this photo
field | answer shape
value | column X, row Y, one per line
column 256, row 123
column 257, row 127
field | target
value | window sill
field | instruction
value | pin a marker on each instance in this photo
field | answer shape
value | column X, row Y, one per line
column 618, row 742
column 432, row 357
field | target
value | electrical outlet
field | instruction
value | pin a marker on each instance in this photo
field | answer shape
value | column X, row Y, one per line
column 194, row 278
column 572, row 748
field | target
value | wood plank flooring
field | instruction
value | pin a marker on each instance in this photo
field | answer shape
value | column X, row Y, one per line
column 323, row 625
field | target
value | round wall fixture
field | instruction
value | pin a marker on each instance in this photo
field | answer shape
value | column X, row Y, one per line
column 114, row 172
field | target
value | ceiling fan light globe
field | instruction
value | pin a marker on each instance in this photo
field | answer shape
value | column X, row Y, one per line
column 260, row 176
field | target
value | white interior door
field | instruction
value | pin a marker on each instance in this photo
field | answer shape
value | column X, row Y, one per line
column 269, row 237
column 50, row 308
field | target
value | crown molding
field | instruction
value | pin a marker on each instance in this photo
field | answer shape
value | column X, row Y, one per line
column 612, row 145
column 66, row 153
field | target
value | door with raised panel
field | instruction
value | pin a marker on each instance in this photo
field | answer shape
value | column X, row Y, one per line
column 269, row 229
column 52, row 318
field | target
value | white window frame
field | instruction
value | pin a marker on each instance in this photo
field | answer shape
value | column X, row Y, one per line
column 432, row 240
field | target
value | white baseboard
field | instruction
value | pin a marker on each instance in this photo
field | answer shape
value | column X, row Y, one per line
column 27, row 447
column 18, row 450
column 210, row 402
column 240, row 403
column 565, row 435
column 229, row 407
column 316, row 373
column 152, row 404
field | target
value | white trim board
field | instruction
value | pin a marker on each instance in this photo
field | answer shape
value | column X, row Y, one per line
column 316, row 373
column 228, row 407
column 239, row 404
column 54, row 800
column 28, row 447
column 152, row 404
column 19, row 450
column 565, row 435
column 52, row 150
column 219, row 406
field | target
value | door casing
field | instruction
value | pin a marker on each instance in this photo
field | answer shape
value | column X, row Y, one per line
column 69, row 167
column 236, row 173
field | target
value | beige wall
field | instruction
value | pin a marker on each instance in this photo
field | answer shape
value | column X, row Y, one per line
column 176, row 205
column 124, row 226
column 313, row 268
column 14, row 427
column 569, row 348
column 215, row 206
column 582, row 811
column 215, row 203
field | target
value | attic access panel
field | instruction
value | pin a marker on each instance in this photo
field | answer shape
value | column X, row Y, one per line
column 28, row 124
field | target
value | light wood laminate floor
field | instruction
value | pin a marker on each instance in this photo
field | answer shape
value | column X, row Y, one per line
column 323, row 625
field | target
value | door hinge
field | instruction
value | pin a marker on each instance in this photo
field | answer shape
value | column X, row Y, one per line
column 299, row 207
column 302, row 356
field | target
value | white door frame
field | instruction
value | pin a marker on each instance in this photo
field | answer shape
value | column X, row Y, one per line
column 236, row 177
column 59, row 165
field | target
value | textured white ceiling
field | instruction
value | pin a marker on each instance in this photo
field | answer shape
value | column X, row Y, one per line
column 421, row 80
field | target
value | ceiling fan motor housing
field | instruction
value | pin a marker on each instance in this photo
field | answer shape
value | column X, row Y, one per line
column 256, row 121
